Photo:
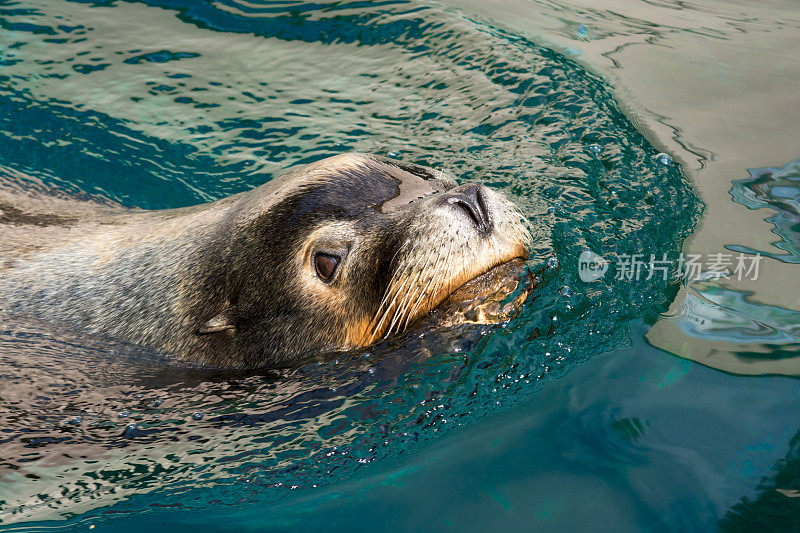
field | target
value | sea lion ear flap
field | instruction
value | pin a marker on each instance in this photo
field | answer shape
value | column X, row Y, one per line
column 221, row 322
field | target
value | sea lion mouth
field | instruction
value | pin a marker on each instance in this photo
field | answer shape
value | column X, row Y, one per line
column 484, row 299
column 480, row 299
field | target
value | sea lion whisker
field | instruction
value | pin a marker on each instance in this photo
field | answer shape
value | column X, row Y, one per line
column 435, row 279
column 450, row 279
column 406, row 301
column 391, row 294
column 386, row 307
column 388, row 294
column 389, row 308
column 406, row 311
column 437, row 273
column 397, row 319
column 401, row 314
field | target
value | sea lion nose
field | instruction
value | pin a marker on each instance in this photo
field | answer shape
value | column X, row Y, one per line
column 471, row 199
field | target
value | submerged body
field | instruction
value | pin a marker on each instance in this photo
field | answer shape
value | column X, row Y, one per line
column 332, row 256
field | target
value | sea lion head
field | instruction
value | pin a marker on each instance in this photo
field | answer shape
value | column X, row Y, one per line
column 348, row 250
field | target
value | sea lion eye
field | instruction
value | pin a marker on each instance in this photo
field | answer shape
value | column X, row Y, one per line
column 326, row 265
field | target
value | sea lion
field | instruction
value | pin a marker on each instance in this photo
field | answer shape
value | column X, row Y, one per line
column 332, row 256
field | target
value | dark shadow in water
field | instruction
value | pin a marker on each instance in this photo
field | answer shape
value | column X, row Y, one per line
column 777, row 505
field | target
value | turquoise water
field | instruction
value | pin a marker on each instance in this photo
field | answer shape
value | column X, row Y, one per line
column 563, row 418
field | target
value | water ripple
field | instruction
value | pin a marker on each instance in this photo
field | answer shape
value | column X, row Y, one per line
column 176, row 103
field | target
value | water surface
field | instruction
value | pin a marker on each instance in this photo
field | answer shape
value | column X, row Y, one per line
column 566, row 416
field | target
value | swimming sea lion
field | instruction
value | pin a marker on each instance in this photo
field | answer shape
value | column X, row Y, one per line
column 332, row 256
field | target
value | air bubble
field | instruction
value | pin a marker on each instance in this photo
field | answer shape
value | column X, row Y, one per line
column 595, row 148
column 664, row 159
column 197, row 416
column 459, row 345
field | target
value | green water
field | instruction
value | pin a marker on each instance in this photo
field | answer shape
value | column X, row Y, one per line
column 564, row 418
